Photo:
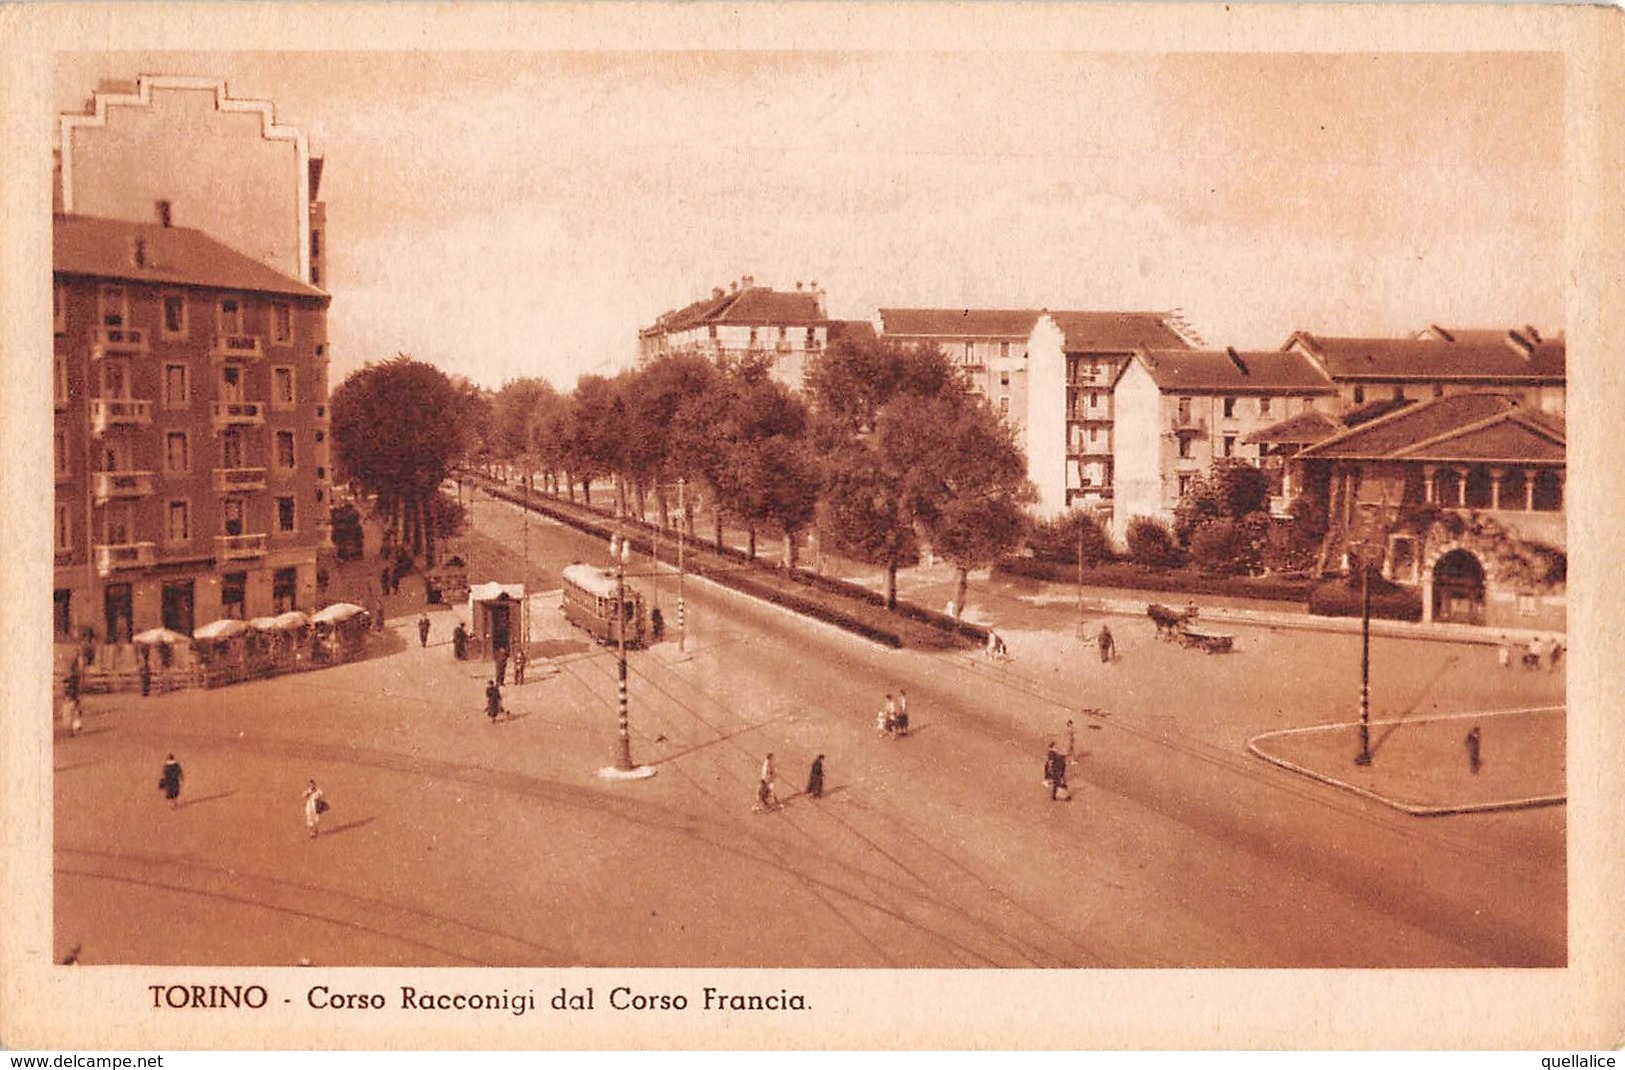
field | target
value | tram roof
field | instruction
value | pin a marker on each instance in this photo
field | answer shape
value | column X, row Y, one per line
column 590, row 578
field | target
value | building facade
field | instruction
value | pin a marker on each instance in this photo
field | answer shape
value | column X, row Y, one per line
column 987, row 345
column 190, row 433
column 1179, row 411
column 745, row 320
column 1462, row 496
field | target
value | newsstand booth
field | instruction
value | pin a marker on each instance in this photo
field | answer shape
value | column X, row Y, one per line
column 496, row 617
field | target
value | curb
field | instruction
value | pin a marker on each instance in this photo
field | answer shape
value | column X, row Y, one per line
column 1414, row 809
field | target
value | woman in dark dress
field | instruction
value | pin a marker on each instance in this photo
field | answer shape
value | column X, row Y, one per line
column 815, row 778
column 169, row 782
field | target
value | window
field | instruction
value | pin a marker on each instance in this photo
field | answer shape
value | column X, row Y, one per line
column 62, row 602
column 64, row 528
column 753, row 337
column 1263, row 406
column 1094, row 435
column 113, row 306
column 1004, row 405
column 234, row 595
column 231, row 448
column 281, row 323
column 232, row 515
column 59, row 307
column 1184, row 485
column 231, row 316
column 178, row 522
column 177, row 386
column 1438, row 390
column 284, row 449
column 115, row 379
column 282, row 393
column 231, row 382
column 60, row 450
column 711, row 332
column 1004, row 350
column 970, row 353
column 59, row 385
column 174, row 315
column 1359, row 395
column 1094, row 399
column 1185, row 411
column 1548, row 492
column 315, row 243
column 1004, row 378
column 177, row 453
column 1229, row 445
column 284, row 589
column 1184, row 446
column 284, row 514
column 1229, row 409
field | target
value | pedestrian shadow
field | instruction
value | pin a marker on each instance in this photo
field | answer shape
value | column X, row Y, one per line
column 68, row 733
column 509, row 715
column 73, row 765
column 201, row 799
column 336, row 829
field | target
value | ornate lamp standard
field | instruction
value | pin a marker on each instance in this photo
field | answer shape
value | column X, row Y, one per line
column 1360, row 554
column 620, row 551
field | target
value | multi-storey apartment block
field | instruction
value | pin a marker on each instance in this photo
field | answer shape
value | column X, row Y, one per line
column 191, row 430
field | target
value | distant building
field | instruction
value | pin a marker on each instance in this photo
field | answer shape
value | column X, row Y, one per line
column 206, row 159
column 1463, row 495
column 1177, row 411
column 745, row 320
column 989, row 345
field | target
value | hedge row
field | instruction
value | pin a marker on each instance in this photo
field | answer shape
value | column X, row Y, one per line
column 1340, row 598
column 1187, row 581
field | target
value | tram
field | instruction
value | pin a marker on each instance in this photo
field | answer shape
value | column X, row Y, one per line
column 589, row 603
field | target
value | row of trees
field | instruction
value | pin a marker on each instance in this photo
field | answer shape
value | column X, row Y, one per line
column 886, row 451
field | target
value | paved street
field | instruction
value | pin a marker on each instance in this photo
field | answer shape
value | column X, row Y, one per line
column 455, row 841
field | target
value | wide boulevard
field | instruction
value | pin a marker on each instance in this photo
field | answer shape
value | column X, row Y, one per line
column 454, row 841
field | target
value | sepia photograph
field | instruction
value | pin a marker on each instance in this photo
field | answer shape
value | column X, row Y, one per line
column 663, row 526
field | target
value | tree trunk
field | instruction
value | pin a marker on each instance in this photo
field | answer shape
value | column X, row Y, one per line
column 664, row 506
column 717, row 516
column 428, row 531
column 586, row 491
column 891, row 588
column 959, row 593
column 792, row 547
column 688, row 519
column 750, row 542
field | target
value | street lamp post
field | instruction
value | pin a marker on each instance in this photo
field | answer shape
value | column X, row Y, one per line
column 620, row 549
column 1364, row 757
column 682, row 518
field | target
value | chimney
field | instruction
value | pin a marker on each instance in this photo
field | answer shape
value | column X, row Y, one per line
column 733, row 287
column 798, row 286
column 1235, row 358
column 1531, row 333
column 716, row 292
column 138, row 252
column 164, row 214
column 747, row 281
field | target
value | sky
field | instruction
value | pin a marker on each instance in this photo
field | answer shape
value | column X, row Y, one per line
column 509, row 214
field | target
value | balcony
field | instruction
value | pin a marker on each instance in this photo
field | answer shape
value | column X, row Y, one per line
column 239, row 547
column 227, row 480
column 127, row 555
column 119, row 342
column 118, row 412
column 1187, row 425
column 110, row 485
column 236, row 347
column 238, row 414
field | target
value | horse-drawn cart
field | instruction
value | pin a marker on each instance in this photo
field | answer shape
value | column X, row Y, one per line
column 1174, row 626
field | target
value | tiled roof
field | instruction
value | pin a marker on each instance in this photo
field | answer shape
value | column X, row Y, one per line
column 1096, row 332
column 1227, row 371
column 106, row 248
column 958, row 322
column 750, row 306
column 1373, row 409
column 1311, row 426
column 1487, row 427
column 1473, row 355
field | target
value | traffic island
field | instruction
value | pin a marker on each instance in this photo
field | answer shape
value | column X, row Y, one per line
column 1431, row 766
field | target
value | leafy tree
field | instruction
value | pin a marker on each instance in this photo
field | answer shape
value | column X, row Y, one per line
column 397, row 428
column 1058, row 539
column 1232, row 489
column 1151, row 542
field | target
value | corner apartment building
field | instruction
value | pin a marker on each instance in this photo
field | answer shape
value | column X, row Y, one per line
column 1178, row 411
column 191, row 360
column 988, row 345
column 191, row 448
column 745, row 320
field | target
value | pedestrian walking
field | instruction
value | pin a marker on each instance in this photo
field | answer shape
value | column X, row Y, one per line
column 766, row 797
column 815, row 778
column 502, row 666
column 1503, row 652
column 1554, row 651
column 1537, row 651
column 493, row 701
column 1108, row 646
column 520, row 660
column 882, row 722
column 891, row 715
column 1474, row 740
column 315, row 807
column 901, row 722
column 169, row 781
column 1071, row 740
column 459, row 642
column 145, row 668
column 71, row 716
column 423, row 629
column 70, row 686
column 1055, row 774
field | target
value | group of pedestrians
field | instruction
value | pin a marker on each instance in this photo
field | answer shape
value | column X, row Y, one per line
column 891, row 720
column 315, row 802
column 767, row 797
column 1539, row 653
